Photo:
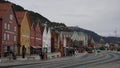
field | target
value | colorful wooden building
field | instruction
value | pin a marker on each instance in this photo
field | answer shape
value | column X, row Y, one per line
column 24, row 31
column 61, row 44
column 49, row 40
column 8, row 29
column 46, row 43
column 32, row 38
column 44, row 38
column 38, row 38
column 55, row 42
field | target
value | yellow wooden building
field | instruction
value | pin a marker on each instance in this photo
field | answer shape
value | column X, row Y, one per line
column 24, row 31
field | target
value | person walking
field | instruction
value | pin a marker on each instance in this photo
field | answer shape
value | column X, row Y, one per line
column 23, row 51
column 41, row 57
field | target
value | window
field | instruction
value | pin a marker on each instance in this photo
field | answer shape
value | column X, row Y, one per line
column 4, row 36
column 8, row 26
column 4, row 48
column 15, row 28
column 22, row 30
column 5, row 25
column 11, row 17
column 14, row 38
column 8, row 36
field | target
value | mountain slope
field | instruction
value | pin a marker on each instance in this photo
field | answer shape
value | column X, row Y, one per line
column 95, row 36
column 35, row 17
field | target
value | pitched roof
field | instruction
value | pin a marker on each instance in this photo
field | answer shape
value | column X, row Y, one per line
column 20, row 16
column 4, row 7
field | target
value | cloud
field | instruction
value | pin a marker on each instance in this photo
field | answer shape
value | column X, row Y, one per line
column 101, row 16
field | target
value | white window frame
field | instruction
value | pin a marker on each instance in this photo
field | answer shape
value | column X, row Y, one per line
column 8, row 26
column 15, row 28
column 11, row 17
column 5, row 36
column 5, row 25
column 15, row 38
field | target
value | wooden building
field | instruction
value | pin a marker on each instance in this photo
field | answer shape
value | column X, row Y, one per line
column 38, row 38
column 24, row 31
column 8, row 29
column 32, row 38
column 46, row 40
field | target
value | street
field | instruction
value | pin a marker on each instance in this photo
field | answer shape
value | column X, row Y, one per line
column 103, row 59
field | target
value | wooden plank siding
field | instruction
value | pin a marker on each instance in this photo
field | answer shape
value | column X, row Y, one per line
column 9, row 28
column 24, row 28
column 38, row 35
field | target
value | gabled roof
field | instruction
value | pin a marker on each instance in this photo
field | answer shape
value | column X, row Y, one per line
column 20, row 16
column 75, row 36
column 4, row 7
column 32, row 27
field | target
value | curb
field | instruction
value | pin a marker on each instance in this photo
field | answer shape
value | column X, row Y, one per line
column 38, row 62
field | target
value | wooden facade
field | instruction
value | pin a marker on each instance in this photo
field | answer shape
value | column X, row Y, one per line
column 38, row 35
column 61, row 44
column 49, row 40
column 24, row 31
column 55, row 46
column 32, row 36
column 9, row 28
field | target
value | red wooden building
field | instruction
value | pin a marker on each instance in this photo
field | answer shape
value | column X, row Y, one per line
column 61, row 45
column 38, row 35
column 54, row 42
column 32, row 38
column 9, row 29
column 38, row 38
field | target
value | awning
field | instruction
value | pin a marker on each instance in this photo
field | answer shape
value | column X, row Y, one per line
column 36, row 47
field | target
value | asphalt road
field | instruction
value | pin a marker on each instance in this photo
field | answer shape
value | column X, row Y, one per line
column 103, row 59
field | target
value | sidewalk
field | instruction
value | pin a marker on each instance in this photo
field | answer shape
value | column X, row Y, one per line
column 20, row 61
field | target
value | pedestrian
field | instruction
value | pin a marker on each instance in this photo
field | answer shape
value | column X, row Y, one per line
column 40, row 54
column 23, row 51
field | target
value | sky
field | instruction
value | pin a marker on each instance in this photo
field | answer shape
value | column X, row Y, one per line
column 100, row 16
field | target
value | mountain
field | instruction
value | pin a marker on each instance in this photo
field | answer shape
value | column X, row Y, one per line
column 33, row 15
column 36, row 17
column 95, row 36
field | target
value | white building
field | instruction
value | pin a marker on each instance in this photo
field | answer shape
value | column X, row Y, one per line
column 46, row 42
column 64, row 42
column 75, row 36
column 80, row 36
column 49, row 40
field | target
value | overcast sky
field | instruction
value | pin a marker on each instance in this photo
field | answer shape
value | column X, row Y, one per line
column 100, row 16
